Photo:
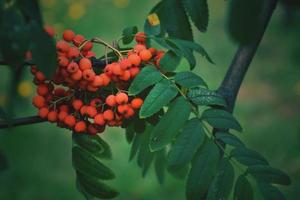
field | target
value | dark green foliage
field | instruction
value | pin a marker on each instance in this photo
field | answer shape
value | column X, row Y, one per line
column 189, row 79
column 169, row 62
column 160, row 165
column 229, row 139
column 128, row 34
column 243, row 189
column 3, row 162
column 248, row 157
column 270, row 192
column 202, row 96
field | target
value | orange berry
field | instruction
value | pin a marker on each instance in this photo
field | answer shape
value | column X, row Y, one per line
column 108, row 115
column 136, row 103
column 62, row 46
column 64, row 108
column 125, row 76
column 98, row 81
column 70, row 121
column 73, row 52
column 91, row 88
column 83, row 110
column 116, row 69
column 125, row 63
column 77, row 75
column 89, row 75
column 111, row 100
column 134, row 71
column 105, row 79
column 152, row 50
column 77, row 104
column 139, row 47
column 140, row 37
column 62, row 115
column 78, row 39
column 99, row 120
column 49, row 30
column 91, row 111
column 88, row 46
column 134, row 59
column 42, row 90
column 80, row 127
column 68, row 35
column 121, row 98
column 52, row 116
column 72, row 67
column 85, row 63
column 129, row 113
column 95, row 102
column 89, row 54
column 145, row 55
column 43, row 112
column 40, row 76
column 122, row 109
column 39, row 101
column 63, row 61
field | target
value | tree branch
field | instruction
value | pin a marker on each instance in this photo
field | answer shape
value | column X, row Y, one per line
column 21, row 121
column 237, row 70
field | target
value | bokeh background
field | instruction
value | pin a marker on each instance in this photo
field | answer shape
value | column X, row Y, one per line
column 268, row 105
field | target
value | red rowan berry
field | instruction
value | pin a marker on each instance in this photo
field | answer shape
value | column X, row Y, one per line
column 139, row 47
column 121, row 98
column 136, row 103
column 63, row 61
column 80, row 127
column 108, row 115
column 99, row 120
column 129, row 113
column 125, row 63
column 122, row 109
column 52, row 116
column 77, row 104
column 125, row 76
column 89, row 74
column 95, row 102
column 78, row 39
column 85, row 63
column 39, row 101
column 73, row 52
column 134, row 71
column 152, row 50
column 64, row 108
column 49, row 30
column 68, row 35
column 88, row 46
column 116, row 69
column 83, row 110
column 72, row 67
column 42, row 90
column 43, row 112
column 105, row 79
column 70, row 121
column 91, row 111
column 62, row 46
column 145, row 55
column 91, row 88
column 89, row 54
column 134, row 59
column 83, row 84
column 33, row 70
column 98, row 81
column 140, row 37
column 111, row 100
column 40, row 76
column 77, row 75
column 62, row 115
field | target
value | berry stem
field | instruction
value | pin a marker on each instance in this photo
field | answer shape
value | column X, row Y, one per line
column 100, row 41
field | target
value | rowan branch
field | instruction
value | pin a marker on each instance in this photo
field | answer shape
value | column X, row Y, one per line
column 21, row 121
column 234, row 77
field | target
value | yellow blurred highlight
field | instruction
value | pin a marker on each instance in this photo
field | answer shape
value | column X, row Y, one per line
column 297, row 89
column 121, row 3
column 25, row 89
column 153, row 19
column 48, row 3
column 76, row 10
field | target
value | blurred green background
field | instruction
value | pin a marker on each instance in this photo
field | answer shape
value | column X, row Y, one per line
column 268, row 106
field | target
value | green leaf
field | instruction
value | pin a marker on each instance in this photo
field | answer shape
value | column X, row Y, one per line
column 244, row 19
column 248, row 157
column 169, row 61
column 189, row 79
column 95, row 187
column 128, row 34
column 187, row 143
column 223, row 181
column 270, row 192
column 45, row 59
column 30, row 10
column 170, row 124
column 135, row 146
column 130, row 133
column 160, row 165
column 93, row 144
column 230, row 139
column 206, row 97
column 3, row 114
column 179, row 172
column 3, row 162
column 198, row 11
column 162, row 93
column 243, row 189
column 267, row 174
column 174, row 19
column 192, row 46
column 147, row 77
column 203, row 169
column 87, row 164
column 221, row 119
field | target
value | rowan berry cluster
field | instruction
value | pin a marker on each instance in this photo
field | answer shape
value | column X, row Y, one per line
column 83, row 98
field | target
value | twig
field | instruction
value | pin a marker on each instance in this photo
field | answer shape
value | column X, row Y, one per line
column 21, row 121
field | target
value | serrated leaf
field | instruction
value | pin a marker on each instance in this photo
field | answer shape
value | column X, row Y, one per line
column 203, row 170
column 229, row 139
column 198, row 11
column 243, row 189
column 221, row 119
column 270, row 192
column 248, row 157
column 87, row 164
column 162, row 93
column 128, row 34
column 189, row 80
column 160, row 165
column 187, row 143
column 147, row 77
column 93, row 144
column 174, row 19
column 223, row 181
column 244, row 19
column 170, row 124
column 95, row 187
column 169, row 61
column 267, row 174
column 206, row 97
